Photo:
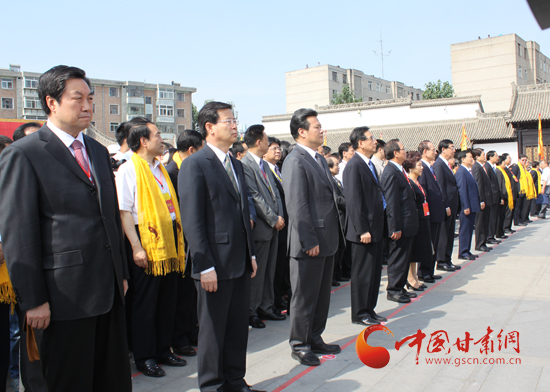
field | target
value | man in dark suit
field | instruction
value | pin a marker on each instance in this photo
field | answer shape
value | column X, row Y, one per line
column 485, row 196
column 64, row 244
column 267, row 201
column 402, row 219
column 520, row 218
column 490, row 169
column 436, row 204
column 366, row 204
column 469, row 200
column 334, row 168
column 313, row 236
column 449, row 190
column 510, row 213
column 185, row 323
column 216, row 224
column 504, row 194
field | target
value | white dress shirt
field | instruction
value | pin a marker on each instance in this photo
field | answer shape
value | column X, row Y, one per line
column 221, row 156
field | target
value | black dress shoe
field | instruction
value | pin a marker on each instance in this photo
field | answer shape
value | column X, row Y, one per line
column 529, row 221
column 541, row 217
column 150, row 369
column 186, row 351
column 326, row 349
column 493, row 241
column 248, row 389
column 509, row 231
column 377, row 317
column 255, row 322
column 344, row 279
column 427, row 279
column 484, row 248
column 445, row 267
column 335, row 283
column 306, row 357
column 471, row 254
column 172, row 360
column 456, row 267
column 467, row 257
column 398, row 298
column 521, row 224
column 368, row 321
column 274, row 316
column 503, row 237
column 408, row 294
column 411, row 287
column 437, row 277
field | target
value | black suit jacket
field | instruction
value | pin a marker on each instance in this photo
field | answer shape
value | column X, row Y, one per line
column 400, row 202
column 433, row 194
column 365, row 208
column 447, row 183
column 215, row 219
column 62, row 236
column 468, row 190
column 340, row 201
column 513, row 183
column 495, row 195
column 503, row 192
column 483, row 184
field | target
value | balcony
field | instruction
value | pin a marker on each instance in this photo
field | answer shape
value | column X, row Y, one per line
column 136, row 100
column 165, row 119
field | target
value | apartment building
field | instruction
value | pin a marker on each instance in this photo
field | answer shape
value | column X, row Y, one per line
column 309, row 87
column 489, row 66
column 167, row 105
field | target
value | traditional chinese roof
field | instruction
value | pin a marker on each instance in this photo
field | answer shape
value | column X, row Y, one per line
column 528, row 101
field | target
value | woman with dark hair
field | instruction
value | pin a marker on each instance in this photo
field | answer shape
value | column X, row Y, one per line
column 422, row 244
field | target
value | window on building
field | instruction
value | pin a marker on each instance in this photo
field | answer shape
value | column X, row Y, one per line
column 180, row 97
column 7, row 84
column 113, row 109
column 378, row 87
column 370, row 98
column 135, row 91
column 113, row 91
column 165, row 110
column 134, row 110
column 525, row 52
column 149, row 117
column 92, row 124
column 148, row 100
column 334, row 92
column 93, row 108
column 344, row 78
column 334, row 76
column 525, row 74
column 32, row 103
column 519, row 72
column 166, row 94
column 370, row 85
column 92, row 90
column 181, row 113
column 31, row 83
column 181, row 128
column 113, row 126
column 519, row 50
column 388, row 90
column 7, row 103
column 417, row 97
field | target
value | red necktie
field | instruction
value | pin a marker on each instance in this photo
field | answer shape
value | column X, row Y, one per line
column 83, row 162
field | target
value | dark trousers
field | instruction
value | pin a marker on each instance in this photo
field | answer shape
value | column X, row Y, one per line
column 444, row 250
column 482, row 226
column 223, row 334
column 501, row 217
column 186, row 328
column 526, row 209
column 366, row 272
column 347, row 262
column 4, row 344
column 281, row 283
column 88, row 354
column 509, row 217
column 310, row 278
column 493, row 218
column 535, row 208
column 338, row 258
column 31, row 372
column 465, row 233
column 427, row 267
column 261, row 287
column 518, row 209
column 398, row 264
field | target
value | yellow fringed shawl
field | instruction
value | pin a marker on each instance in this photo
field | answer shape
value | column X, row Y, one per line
column 508, row 188
column 7, row 294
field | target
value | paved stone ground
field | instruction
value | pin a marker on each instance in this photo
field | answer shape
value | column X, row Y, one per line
column 507, row 288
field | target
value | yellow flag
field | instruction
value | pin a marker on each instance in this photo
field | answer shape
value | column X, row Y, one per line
column 541, row 146
column 465, row 140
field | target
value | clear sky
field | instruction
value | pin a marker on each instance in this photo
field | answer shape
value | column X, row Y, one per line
column 239, row 51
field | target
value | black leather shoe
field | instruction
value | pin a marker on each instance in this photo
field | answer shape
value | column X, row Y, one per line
column 344, row 279
column 409, row 295
column 484, row 248
column 510, row 231
column 521, row 224
column 456, row 267
column 471, row 254
column 493, row 241
column 248, row 389
column 503, row 237
column 306, row 357
column 411, row 287
column 436, row 277
column 468, row 257
column 255, row 322
column 186, row 351
column 274, row 316
column 445, row 267
column 398, row 298
column 368, row 321
column 172, row 360
column 335, row 283
column 151, row 369
column 326, row 349
column 541, row 217
column 377, row 317
column 427, row 279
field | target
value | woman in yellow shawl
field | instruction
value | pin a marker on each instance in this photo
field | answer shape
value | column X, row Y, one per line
column 506, row 196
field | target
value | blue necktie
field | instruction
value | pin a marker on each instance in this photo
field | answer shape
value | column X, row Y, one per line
column 373, row 170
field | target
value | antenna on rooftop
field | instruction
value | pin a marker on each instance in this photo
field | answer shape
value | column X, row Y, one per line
column 381, row 54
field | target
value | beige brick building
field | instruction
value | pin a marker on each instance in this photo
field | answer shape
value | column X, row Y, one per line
column 489, row 66
column 167, row 105
column 308, row 87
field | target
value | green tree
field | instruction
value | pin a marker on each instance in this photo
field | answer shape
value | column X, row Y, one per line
column 195, row 117
column 438, row 90
column 346, row 96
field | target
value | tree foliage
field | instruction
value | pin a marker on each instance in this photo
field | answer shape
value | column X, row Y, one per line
column 438, row 90
column 195, row 117
column 346, row 96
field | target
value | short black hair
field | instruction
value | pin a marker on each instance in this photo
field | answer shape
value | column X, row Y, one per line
column 52, row 83
column 380, row 144
column 476, row 153
column 344, row 147
column 502, row 158
column 253, row 134
column 357, row 134
column 535, row 164
column 521, row 156
column 505, row 155
column 326, row 150
column 423, row 146
column 273, row 140
column 122, row 132
column 412, row 159
column 391, row 147
column 19, row 133
column 459, row 156
column 236, row 148
column 330, row 162
column 137, row 131
column 445, row 143
column 490, row 154
column 4, row 142
column 299, row 120
column 336, row 155
column 209, row 113
column 189, row 138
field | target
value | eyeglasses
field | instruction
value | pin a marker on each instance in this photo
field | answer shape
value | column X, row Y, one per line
column 369, row 138
column 275, row 148
column 230, row 121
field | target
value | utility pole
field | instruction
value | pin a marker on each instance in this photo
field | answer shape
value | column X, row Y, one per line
column 381, row 54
